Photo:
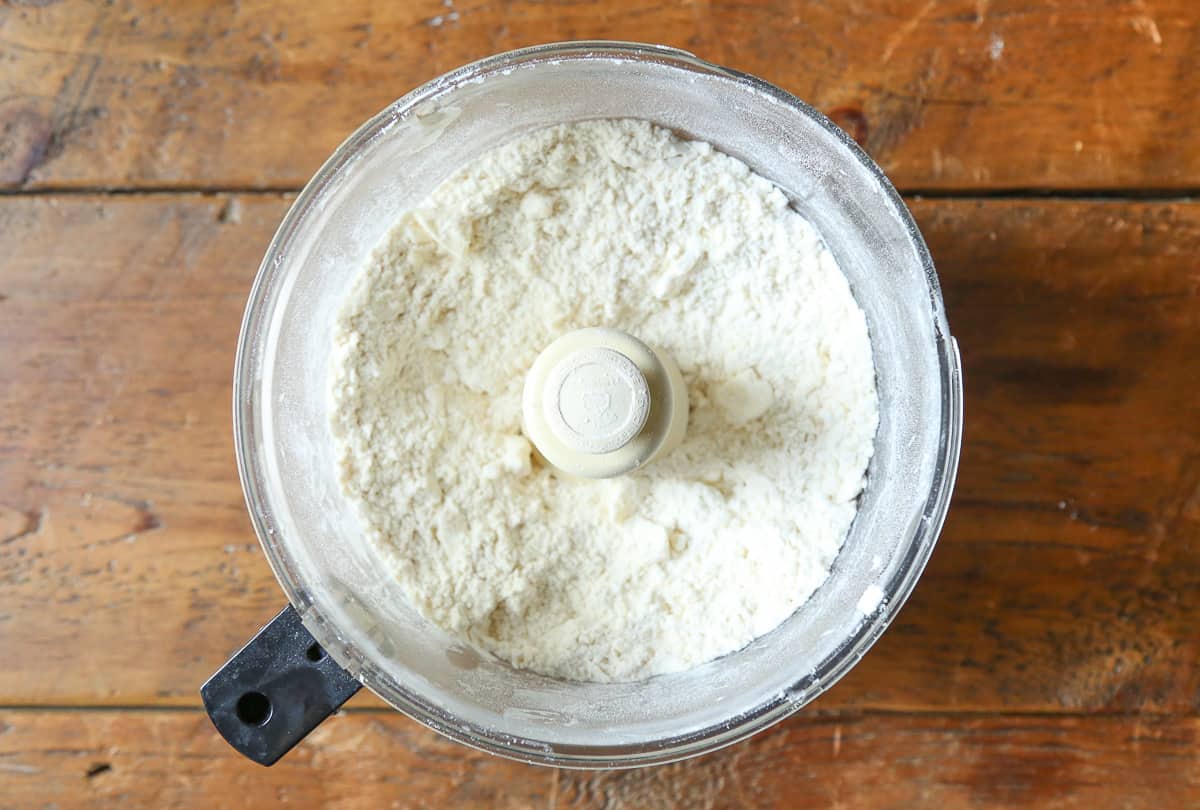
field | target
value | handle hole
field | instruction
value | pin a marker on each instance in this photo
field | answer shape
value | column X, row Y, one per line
column 314, row 652
column 254, row 709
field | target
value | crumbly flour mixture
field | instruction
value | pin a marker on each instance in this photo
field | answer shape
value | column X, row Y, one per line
column 620, row 224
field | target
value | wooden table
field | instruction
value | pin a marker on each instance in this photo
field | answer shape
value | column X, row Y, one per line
column 1049, row 149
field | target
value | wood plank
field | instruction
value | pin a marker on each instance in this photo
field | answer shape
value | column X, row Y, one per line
column 904, row 762
column 945, row 94
column 122, row 506
column 174, row 760
column 177, row 760
column 1063, row 582
column 1074, row 536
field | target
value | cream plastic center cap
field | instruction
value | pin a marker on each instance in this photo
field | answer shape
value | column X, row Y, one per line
column 599, row 402
column 596, row 400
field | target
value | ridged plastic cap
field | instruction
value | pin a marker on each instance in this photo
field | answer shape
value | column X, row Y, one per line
column 599, row 402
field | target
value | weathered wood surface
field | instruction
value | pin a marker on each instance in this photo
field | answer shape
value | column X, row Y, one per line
column 1049, row 657
column 1065, row 580
column 946, row 94
column 167, row 760
column 170, row 760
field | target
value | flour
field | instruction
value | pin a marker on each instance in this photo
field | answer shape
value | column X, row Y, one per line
column 619, row 224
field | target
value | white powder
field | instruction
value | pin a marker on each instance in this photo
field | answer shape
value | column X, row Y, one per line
column 620, row 224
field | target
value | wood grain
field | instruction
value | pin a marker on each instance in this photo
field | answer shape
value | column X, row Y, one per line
column 946, row 94
column 1064, row 581
column 176, row 760
column 1050, row 655
column 1074, row 536
column 170, row 760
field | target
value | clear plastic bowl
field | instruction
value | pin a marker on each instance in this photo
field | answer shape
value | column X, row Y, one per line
column 312, row 535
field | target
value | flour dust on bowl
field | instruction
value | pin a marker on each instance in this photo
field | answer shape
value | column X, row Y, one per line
column 554, row 403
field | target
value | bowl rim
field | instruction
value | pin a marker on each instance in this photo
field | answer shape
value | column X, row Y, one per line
column 246, row 400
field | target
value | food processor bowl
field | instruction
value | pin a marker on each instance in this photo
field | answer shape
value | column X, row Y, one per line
column 338, row 587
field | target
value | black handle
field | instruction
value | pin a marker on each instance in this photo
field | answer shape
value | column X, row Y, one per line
column 275, row 690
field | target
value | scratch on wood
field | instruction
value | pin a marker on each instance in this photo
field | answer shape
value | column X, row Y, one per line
column 906, row 30
column 33, row 525
column 981, row 10
column 69, row 115
column 146, row 520
column 25, row 131
column 98, row 768
column 231, row 212
column 18, row 767
column 1147, row 27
